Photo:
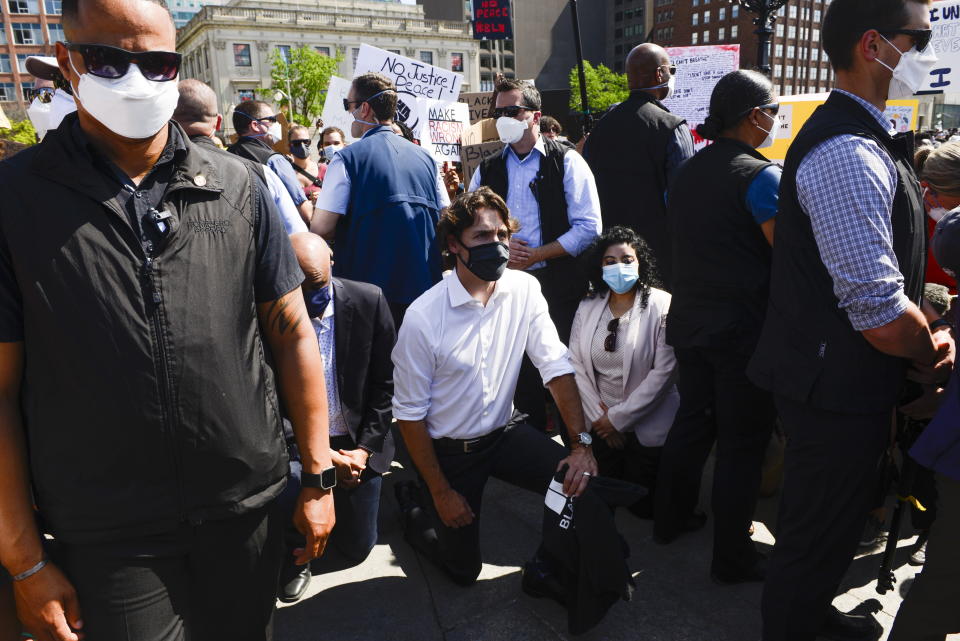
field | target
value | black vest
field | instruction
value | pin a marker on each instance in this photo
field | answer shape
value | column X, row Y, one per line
column 721, row 259
column 627, row 152
column 809, row 351
column 252, row 149
column 566, row 279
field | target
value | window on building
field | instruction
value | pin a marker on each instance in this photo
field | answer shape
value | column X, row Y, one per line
column 816, row 54
column 791, row 52
column 778, row 51
column 3, row 33
column 27, row 33
column 722, row 13
column 793, row 11
column 53, row 7
column 25, row 89
column 805, row 14
column 721, row 33
column 734, row 30
column 735, row 11
column 777, row 71
column 817, row 15
column 354, row 54
column 695, row 38
column 22, row 62
column 788, row 90
column 780, row 30
column 323, row 50
column 706, row 37
column 791, row 31
column 618, row 16
column 241, row 55
column 246, row 94
column 5, row 63
column 816, row 35
column 427, row 57
column 8, row 92
column 789, row 71
column 706, row 17
column 22, row 6
column 508, row 62
column 695, row 19
column 456, row 62
column 696, row 3
column 55, row 31
column 284, row 52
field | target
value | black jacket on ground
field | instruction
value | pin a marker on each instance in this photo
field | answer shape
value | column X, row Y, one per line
column 584, row 550
column 147, row 400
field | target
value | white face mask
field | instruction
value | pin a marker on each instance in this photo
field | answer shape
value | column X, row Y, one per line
column 938, row 212
column 771, row 133
column 670, row 84
column 910, row 72
column 274, row 133
column 510, row 129
column 131, row 106
column 329, row 150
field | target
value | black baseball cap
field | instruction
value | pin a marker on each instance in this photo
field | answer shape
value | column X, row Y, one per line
column 946, row 243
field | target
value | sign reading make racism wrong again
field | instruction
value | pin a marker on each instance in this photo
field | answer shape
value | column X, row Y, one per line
column 491, row 20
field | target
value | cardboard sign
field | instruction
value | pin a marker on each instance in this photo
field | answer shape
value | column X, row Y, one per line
column 698, row 71
column 412, row 77
column 945, row 22
column 480, row 141
column 479, row 104
column 491, row 20
column 444, row 124
column 333, row 114
column 796, row 110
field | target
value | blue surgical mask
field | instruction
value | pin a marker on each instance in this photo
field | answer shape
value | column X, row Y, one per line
column 317, row 300
column 621, row 277
column 354, row 112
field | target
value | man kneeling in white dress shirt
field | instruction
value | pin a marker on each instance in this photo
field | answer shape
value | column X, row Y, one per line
column 455, row 370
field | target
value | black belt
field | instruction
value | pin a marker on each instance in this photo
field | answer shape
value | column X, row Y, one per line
column 466, row 446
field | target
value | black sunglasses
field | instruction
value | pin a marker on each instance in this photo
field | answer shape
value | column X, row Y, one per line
column 773, row 106
column 305, row 143
column 267, row 118
column 921, row 37
column 671, row 68
column 43, row 94
column 113, row 62
column 610, row 343
column 511, row 112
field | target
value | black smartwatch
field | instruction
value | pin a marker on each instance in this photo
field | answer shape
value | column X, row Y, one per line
column 325, row 480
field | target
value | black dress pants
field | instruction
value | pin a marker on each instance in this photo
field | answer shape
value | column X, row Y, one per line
column 635, row 463
column 520, row 456
column 530, row 397
column 217, row 580
column 717, row 403
column 930, row 613
column 831, row 465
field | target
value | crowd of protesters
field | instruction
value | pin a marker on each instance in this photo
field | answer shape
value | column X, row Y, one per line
column 211, row 355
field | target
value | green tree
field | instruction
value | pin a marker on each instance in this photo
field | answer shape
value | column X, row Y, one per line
column 304, row 78
column 22, row 131
column 604, row 88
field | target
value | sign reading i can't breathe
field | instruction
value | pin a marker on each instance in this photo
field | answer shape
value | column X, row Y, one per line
column 491, row 20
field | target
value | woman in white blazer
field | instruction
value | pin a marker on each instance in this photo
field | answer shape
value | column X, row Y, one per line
column 625, row 370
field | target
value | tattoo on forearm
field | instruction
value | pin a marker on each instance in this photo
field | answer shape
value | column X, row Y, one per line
column 282, row 318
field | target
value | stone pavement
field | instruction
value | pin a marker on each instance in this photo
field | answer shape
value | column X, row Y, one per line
column 397, row 596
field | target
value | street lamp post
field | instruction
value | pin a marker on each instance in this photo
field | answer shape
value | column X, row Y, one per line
column 766, row 11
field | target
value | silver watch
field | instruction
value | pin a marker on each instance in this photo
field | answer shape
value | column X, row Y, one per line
column 585, row 439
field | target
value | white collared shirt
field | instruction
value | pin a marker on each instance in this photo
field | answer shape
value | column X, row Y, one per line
column 456, row 361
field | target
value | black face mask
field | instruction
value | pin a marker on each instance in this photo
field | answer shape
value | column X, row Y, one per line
column 300, row 150
column 488, row 261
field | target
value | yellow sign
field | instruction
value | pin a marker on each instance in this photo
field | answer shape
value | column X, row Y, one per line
column 796, row 110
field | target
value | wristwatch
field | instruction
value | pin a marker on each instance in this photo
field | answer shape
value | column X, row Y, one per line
column 584, row 439
column 940, row 322
column 325, row 480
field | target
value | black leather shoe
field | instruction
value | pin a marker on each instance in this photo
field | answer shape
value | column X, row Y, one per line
column 539, row 583
column 407, row 494
column 694, row 521
column 756, row 574
column 293, row 589
column 840, row 626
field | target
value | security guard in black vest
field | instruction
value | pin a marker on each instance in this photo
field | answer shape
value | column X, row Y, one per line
column 846, row 322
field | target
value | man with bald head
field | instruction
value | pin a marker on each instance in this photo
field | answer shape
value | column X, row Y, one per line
column 355, row 331
column 197, row 113
column 636, row 148
column 156, row 448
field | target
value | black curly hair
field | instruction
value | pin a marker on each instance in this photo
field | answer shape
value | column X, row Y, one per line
column 593, row 261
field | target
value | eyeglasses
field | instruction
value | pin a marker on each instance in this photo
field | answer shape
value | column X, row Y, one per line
column 671, row 68
column 921, row 37
column 113, row 62
column 610, row 343
column 773, row 106
column 305, row 143
column 347, row 103
column 272, row 118
column 511, row 112
column 43, row 94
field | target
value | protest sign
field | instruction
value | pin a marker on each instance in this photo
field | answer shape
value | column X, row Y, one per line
column 796, row 110
column 945, row 74
column 479, row 104
column 491, row 20
column 698, row 71
column 333, row 113
column 444, row 124
column 479, row 141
